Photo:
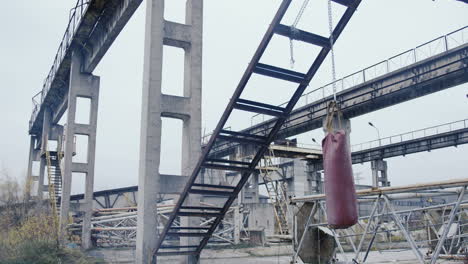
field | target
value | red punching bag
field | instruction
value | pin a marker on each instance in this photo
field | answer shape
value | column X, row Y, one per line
column 340, row 192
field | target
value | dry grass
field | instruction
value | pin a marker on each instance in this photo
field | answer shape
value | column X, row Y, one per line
column 28, row 231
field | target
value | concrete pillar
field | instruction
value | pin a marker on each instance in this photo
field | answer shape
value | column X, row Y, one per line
column 150, row 133
column 34, row 155
column 300, row 186
column 314, row 179
column 379, row 173
column 237, row 224
column 86, row 86
column 46, row 125
column 250, row 192
column 155, row 105
column 191, row 134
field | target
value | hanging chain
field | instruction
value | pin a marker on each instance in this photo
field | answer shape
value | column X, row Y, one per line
column 330, row 27
column 294, row 31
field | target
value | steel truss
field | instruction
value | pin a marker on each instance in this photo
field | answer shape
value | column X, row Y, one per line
column 445, row 235
column 116, row 227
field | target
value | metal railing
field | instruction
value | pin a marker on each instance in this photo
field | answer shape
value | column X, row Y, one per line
column 76, row 14
column 421, row 133
column 404, row 59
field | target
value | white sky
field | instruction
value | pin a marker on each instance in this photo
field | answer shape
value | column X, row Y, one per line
column 32, row 30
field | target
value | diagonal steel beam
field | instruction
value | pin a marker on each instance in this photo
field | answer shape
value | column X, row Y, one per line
column 408, row 237
column 441, row 241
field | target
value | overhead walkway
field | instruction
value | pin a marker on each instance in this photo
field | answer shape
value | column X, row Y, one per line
column 434, row 66
column 92, row 28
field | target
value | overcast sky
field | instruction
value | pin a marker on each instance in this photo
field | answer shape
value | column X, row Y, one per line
column 32, row 30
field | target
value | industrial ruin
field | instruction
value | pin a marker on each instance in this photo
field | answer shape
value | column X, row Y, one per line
column 258, row 186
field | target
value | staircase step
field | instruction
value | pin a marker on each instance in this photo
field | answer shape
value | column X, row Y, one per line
column 189, row 228
column 176, row 253
column 187, row 234
column 199, row 214
column 210, row 192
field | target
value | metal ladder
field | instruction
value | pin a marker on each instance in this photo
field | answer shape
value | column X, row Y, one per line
column 276, row 192
column 55, row 180
column 229, row 193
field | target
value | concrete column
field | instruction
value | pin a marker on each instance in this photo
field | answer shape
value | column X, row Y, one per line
column 299, row 183
column 156, row 105
column 191, row 134
column 237, row 224
column 86, row 86
column 314, row 179
column 379, row 173
column 150, row 133
column 46, row 125
column 250, row 192
column 30, row 178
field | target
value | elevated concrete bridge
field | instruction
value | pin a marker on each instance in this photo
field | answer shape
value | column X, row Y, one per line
column 414, row 79
column 93, row 27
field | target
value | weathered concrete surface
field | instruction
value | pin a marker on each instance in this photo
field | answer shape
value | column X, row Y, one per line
column 150, row 132
column 85, row 86
column 155, row 105
column 311, row 251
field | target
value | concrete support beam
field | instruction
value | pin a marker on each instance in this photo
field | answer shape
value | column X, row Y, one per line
column 379, row 173
column 60, row 109
column 177, row 35
column 156, row 105
column 175, row 106
column 150, row 135
column 237, row 225
column 30, row 178
column 250, row 192
column 86, row 86
column 299, row 185
column 46, row 127
column 191, row 132
column 314, row 178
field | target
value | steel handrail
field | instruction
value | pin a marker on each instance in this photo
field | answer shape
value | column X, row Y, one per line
column 399, row 137
column 73, row 22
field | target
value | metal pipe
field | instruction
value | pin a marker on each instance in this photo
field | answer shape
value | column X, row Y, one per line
column 401, row 212
column 390, row 190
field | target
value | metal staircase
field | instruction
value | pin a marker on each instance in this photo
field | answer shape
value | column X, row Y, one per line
column 55, row 179
column 54, row 174
column 195, row 185
column 276, row 192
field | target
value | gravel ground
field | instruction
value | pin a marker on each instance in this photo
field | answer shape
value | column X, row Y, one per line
column 258, row 255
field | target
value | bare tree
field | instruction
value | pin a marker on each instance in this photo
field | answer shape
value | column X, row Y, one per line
column 11, row 200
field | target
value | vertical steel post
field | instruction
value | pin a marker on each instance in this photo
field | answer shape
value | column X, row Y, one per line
column 408, row 237
column 361, row 242
column 441, row 241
